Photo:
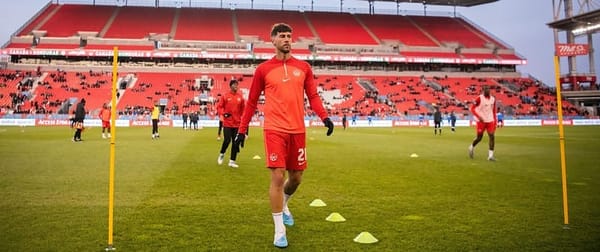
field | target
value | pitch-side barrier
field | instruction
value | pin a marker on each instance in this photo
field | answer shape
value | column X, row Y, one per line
column 308, row 123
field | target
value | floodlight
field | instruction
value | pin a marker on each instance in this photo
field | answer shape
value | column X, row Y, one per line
column 590, row 27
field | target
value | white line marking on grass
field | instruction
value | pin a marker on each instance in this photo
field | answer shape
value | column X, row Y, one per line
column 412, row 217
column 579, row 183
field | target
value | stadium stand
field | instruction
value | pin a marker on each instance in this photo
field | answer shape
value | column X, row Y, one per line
column 199, row 24
column 67, row 21
column 394, row 28
column 256, row 23
column 135, row 22
column 378, row 65
column 340, row 28
column 451, row 30
column 39, row 19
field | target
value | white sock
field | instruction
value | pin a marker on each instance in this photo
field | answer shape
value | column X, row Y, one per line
column 279, row 227
column 490, row 153
column 286, row 198
column 471, row 147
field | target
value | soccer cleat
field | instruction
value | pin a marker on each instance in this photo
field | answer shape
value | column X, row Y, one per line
column 281, row 242
column 232, row 164
column 471, row 152
column 288, row 220
column 220, row 159
column 492, row 159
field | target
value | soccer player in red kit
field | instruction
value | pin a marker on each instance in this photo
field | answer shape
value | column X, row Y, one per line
column 230, row 106
column 484, row 112
column 284, row 80
column 104, row 116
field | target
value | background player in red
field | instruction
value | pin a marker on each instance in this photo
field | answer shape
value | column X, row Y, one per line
column 484, row 112
column 231, row 106
column 284, row 80
column 105, row 118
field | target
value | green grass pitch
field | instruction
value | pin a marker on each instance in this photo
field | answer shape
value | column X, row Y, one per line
column 170, row 194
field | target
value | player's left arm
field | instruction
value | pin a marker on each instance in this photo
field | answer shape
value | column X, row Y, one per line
column 310, row 88
column 495, row 111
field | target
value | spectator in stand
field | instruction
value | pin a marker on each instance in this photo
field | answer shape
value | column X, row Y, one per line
column 78, row 120
column 231, row 106
column 105, row 118
column 484, row 112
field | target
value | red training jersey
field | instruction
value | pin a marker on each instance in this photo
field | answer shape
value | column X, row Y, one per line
column 104, row 114
column 284, row 83
column 231, row 103
column 484, row 108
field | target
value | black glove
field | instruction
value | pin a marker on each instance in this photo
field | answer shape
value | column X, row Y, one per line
column 239, row 140
column 329, row 124
column 226, row 115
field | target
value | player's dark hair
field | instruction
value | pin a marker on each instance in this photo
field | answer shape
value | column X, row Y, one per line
column 280, row 27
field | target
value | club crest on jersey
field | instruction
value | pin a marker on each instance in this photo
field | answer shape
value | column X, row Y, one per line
column 273, row 157
column 296, row 73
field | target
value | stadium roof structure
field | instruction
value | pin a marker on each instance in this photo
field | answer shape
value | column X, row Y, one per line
column 589, row 20
column 461, row 3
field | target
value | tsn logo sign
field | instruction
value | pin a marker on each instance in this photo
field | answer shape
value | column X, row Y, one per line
column 571, row 49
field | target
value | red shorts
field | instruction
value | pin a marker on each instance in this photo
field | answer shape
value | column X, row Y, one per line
column 284, row 150
column 105, row 124
column 483, row 126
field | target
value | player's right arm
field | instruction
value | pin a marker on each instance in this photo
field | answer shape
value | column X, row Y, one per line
column 220, row 107
column 474, row 108
column 258, row 85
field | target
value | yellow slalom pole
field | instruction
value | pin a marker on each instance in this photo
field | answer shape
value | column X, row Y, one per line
column 111, row 179
column 561, row 135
